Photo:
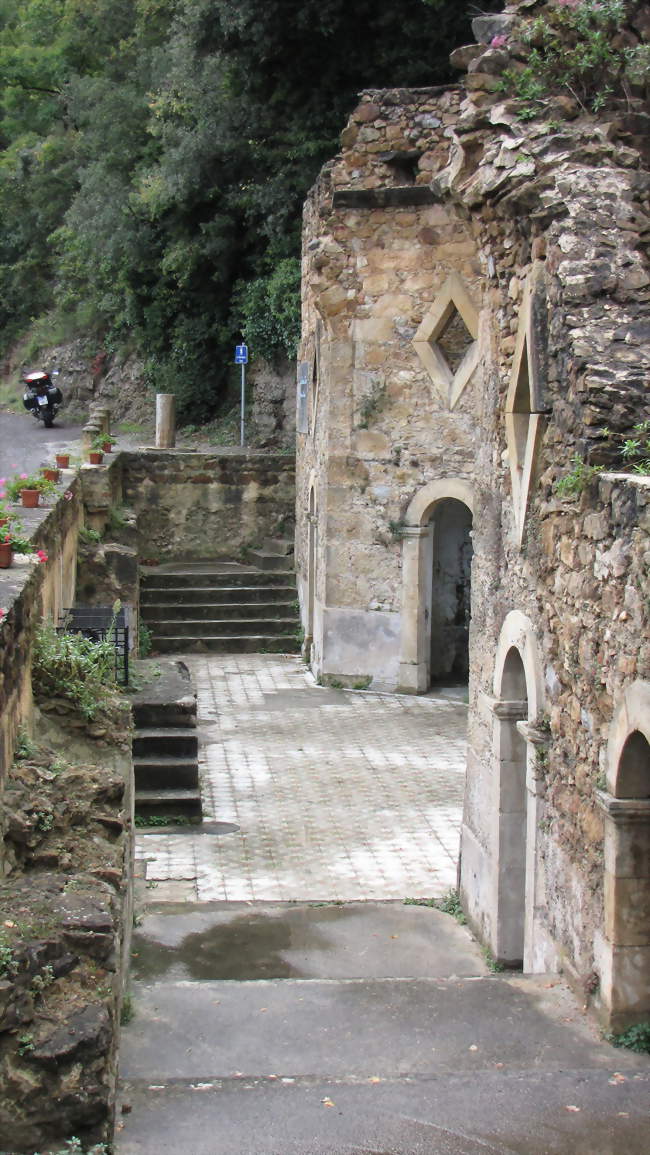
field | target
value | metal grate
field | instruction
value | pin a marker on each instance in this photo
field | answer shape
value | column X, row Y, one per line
column 96, row 623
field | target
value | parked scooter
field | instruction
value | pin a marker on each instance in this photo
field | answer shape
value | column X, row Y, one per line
column 42, row 397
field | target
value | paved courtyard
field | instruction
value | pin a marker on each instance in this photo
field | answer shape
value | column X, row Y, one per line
column 314, row 793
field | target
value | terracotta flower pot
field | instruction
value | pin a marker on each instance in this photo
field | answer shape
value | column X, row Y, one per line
column 3, row 520
column 6, row 555
column 29, row 498
column 107, row 446
column 63, row 460
column 51, row 474
column 95, row 458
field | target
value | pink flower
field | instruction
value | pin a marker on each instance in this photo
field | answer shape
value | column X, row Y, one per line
column 41, row 555
column 2, row 494
column 3, row 480
column 68, row 495
column 2, row 614
column 498, row 41
column 22, row 476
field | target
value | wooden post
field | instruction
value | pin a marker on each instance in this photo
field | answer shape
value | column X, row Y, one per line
column 165, row 421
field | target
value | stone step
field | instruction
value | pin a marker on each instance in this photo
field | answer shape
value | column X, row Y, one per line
column 218, row 627
column 165, row 773
column 148, row 715
column 180, row 741
column 184, row 579
column 212, row 611
column 169, row 803
column 217, row 595
column 267, row 561
column 279, row 545
column 233, row 644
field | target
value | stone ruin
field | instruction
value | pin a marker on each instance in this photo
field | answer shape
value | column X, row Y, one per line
column 475, row 354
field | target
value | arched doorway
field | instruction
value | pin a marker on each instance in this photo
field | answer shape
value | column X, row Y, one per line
column 625, row 967
column 516, row 924
column 450, row 599
column 436, row 586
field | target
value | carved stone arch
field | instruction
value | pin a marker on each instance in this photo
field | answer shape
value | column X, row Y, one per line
column 623, row 947
column 447, row 340
column 417, row 563
column 518, row 631
column 421, row 503
column 525, row 401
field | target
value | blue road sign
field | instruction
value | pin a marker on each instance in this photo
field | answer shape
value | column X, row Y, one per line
column 241, row 354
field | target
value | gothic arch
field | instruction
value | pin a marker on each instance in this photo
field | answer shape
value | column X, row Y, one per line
column 417, row 563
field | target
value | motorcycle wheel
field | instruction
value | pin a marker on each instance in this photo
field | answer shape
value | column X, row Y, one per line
column 48, row 420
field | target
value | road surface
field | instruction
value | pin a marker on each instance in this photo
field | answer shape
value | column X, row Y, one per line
column 25, row 444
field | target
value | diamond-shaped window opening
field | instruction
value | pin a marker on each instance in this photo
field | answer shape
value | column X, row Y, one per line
column 524, row 421
column 446, row 341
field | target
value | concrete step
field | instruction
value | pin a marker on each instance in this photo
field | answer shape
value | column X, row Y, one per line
column 229, row 644
column 165, row 773
column 183, row 579
column 216, row 595
column 192, row 628
column 267, row 561
column 180, row 741
column 169, row 803
column 212, row 611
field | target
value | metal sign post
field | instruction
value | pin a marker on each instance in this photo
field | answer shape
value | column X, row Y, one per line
column 241, row 358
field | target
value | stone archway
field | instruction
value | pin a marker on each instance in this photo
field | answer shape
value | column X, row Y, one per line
column 623, row 952
column 517, row 704
column 435, row 537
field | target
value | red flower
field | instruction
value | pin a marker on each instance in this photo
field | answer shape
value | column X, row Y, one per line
column 41, row 555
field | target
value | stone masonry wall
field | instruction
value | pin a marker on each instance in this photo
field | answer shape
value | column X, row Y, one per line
column 197, row 505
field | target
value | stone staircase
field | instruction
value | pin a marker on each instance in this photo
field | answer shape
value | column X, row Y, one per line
column 165, row 746
column 223, row 607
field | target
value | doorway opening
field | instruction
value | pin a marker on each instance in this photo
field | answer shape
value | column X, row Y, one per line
column 450, row 605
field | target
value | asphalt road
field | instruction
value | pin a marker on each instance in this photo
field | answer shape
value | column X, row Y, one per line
column 25, row 444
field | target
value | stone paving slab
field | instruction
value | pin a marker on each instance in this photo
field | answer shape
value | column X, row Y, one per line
column 338, row 795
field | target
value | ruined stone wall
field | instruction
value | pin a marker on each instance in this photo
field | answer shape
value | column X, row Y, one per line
column 545, row 225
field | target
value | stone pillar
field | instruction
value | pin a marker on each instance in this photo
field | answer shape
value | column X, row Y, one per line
column 624, row 955
column 414, row 664
column 536, row 959
column 165, row 421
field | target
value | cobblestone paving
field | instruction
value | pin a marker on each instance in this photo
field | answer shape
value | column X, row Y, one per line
column 337, row 794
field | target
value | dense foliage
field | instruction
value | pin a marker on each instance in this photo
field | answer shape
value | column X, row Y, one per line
column 155, row 154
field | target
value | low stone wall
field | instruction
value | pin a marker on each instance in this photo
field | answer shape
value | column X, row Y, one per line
column 28, row 592
column 197, row 505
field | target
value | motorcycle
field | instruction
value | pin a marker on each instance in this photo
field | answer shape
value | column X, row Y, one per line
column 42, row 397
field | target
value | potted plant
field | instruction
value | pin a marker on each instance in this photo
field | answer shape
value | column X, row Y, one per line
column 29, row 488
column 107, row 442
column 62, row 460
column 96, row 451
column 50, row 473
column 12, row 541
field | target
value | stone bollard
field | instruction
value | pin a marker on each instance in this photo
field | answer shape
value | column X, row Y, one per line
column 165, row 421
